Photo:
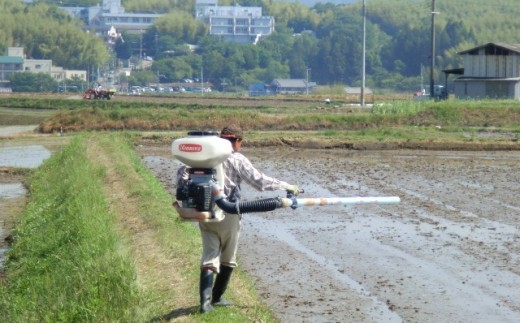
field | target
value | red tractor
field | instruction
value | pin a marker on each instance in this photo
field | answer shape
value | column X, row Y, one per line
column 93, row 94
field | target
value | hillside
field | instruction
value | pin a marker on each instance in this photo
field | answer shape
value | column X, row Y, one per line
column 321, row 42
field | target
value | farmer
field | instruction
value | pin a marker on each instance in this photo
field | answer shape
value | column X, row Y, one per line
column 220, row 239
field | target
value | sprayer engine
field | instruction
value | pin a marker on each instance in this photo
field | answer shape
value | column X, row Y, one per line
column 203, row 152
column 196, row 192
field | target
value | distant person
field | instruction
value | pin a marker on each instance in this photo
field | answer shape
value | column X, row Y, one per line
column 220, row 239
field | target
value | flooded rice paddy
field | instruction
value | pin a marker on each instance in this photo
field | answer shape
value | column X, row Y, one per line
column 449, row 252
column 23, row 156
column 15, row 154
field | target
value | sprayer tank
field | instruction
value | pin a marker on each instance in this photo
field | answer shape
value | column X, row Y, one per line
column 201, row 151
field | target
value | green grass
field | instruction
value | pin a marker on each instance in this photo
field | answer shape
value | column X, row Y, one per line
column 66, row 264
column 71, row 262
column 23, row 116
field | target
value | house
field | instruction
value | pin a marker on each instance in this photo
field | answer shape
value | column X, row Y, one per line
column 38, row 66
column 237, row 24
column 60, row 74
column 16, row 62
column 259, row 89
column 111, row 15
column 292, row 86
column 490, row 71
column 8, row 66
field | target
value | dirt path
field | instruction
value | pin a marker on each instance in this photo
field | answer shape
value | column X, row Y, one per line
column 157, row 272
column 449, row 252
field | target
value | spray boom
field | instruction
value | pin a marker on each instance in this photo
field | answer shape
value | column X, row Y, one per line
column 322, row 201
column 201, row 198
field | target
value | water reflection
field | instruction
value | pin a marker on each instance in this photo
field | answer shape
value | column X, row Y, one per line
column 9, row 191
column 26, row 156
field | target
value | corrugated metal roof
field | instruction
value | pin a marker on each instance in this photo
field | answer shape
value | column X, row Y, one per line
column 11, row 60
column 290, row 83
column 511, row 47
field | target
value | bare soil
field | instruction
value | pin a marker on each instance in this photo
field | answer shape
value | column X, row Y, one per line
column 449, row 252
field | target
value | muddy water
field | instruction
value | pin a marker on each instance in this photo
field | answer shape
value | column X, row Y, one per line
column 449, row 252
column 12, row 194
column 23, row 156
column 8, row 193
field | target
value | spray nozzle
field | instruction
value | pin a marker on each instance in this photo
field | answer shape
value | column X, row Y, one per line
column 290, row 194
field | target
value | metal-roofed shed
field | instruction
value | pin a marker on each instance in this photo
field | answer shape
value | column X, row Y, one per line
column 491, row 70
column 292, row 86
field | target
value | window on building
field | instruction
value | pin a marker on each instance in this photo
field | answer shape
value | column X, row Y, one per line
column 242, row 22
column 241, row 30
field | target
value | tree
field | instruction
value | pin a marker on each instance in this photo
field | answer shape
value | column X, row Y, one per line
column 122, row 48
column 173, row 69
column 32, row 82
column 179, row 25
column 142, row 78
column 46, row 32
column 339, row 56
column 305, row 47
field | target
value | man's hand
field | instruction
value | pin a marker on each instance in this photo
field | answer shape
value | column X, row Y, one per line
column 293, row 189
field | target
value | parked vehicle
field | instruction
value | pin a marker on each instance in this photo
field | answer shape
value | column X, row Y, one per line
column 439, row 93
column 94, row 94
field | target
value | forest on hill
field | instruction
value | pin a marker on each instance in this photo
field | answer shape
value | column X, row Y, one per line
column 323, row 41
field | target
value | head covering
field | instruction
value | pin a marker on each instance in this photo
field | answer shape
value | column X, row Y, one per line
column 232, row 131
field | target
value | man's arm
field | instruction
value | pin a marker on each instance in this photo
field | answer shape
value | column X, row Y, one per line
column 259, row 180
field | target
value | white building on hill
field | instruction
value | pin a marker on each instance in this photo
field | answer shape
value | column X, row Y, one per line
column 234, row 23
column 111, row 14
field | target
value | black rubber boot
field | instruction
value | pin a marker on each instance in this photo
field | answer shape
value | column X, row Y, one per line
column 220, row 287
column 206, row 282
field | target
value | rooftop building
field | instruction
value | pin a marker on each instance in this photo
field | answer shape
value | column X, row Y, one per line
column 16, row 62
column 234, row 23
column 111, row 14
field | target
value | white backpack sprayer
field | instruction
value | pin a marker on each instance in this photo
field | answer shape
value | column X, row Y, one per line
column 201, row 197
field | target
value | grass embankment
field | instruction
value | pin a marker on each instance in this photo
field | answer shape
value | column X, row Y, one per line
column 405, row 124
column 296, row 121
column 100, row 242
column 23, row 116
column 390, row 120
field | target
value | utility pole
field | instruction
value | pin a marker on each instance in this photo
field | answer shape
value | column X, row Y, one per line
column 307, row 81
column 432, row 69
column 202, row 80
column 363, row 55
